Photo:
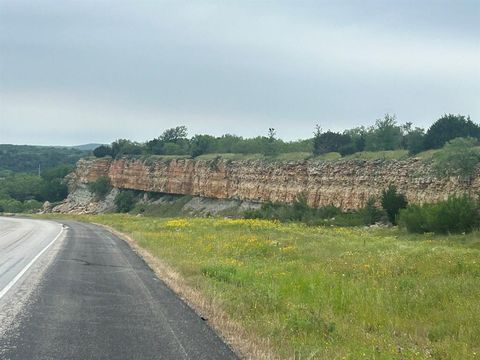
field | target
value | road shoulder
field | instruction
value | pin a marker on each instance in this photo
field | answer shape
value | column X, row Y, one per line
column 240, row 341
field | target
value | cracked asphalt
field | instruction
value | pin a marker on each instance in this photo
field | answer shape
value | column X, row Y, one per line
column 97, row 299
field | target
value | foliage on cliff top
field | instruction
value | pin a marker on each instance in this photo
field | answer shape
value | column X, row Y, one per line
column 328, row 293
column 385, row 135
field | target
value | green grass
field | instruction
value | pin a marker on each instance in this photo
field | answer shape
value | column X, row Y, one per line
column 374, row 155
column 280, row 157
column 328, row 156
column 328, row 292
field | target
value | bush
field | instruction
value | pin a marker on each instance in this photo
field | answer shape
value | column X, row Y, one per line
column 458, row 157
column 450, row 127
column 371, row 213
column 100, row 187
column 302, row 212
column 455, row 215
column 31, row 205
column 392, row 202
column 11, row 205
column 413, row 219
column 124, row 201
column 102, row 151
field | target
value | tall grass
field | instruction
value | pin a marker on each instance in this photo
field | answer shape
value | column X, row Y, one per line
column 324, row 292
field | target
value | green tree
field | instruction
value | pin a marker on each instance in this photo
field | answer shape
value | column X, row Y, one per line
column 126, row 147
column 270, row 143
column 201, row 144
column 414, row 140
column 331, row 142
column 392, row 202
column 358, row 136
column 459, row 157
column 317, row 141
column 174, row 135
column 371, row 213
column 124, row 201
column 449, row 127
column 385, row 135
column 100, row 187
column 102, row 151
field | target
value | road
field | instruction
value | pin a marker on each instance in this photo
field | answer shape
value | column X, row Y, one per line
column 94, row 299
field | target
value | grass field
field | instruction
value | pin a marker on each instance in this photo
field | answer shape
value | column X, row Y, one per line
column 324, row 292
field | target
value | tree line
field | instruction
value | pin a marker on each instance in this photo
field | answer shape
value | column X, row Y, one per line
column 28, row 158
column 26, row 192
column 385, row 134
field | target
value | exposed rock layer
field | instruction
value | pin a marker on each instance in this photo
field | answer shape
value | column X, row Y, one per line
column 346, row 184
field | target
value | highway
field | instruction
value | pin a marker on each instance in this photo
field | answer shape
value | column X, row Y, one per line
column 80, row 292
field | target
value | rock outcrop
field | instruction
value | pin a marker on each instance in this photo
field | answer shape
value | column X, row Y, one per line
column 347, row 183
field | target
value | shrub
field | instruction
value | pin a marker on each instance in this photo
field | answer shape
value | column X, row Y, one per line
column 124, row 201
column 455, row 215
column 31, row 205
column 11, row 205
column 413, row 219
column 301, row 211
column 458, row 157
column 371, row 213
column 449, row 127
column 100, row 187
column 102, row 151
column 392, row 202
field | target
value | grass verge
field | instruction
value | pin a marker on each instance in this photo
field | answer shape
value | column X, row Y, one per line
column 325, row 292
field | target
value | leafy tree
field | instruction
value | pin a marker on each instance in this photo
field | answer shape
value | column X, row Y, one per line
column 27, row 158
column 31, row 205
column 458, row 157
column 102, row 151
column 331, row 142
column 449, row 127
column 100, row 187
column 124, row 201
column 454, row 215
column 123, row 147
column 269, row 143
column 201, row 144
column 370, row 213
column 53, row 190
column 174, row 135
column 227, row 143
column 11, row 205
column 357, row 136
column 58, row 172
column 385, row 135
column 317, row 142
column 23, row 187
column 414, row 140
column 392, row 202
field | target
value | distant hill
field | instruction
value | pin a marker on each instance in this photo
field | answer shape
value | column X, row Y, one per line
column 27, row 158
column 86, row 147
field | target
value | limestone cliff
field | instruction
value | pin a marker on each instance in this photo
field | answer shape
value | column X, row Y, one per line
column 346, row 184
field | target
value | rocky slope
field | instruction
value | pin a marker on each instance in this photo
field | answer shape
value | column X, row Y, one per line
column 347, row 184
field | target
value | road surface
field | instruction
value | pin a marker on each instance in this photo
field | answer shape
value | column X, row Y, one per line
column 94, row 299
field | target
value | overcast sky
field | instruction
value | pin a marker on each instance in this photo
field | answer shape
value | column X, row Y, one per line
column 75, row 72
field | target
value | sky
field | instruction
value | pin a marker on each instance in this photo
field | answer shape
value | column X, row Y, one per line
column 74, row 72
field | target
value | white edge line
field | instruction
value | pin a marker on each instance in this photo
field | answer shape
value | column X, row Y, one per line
column 24, row 270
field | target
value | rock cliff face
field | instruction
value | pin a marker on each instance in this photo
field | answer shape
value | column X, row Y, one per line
column 346, row 184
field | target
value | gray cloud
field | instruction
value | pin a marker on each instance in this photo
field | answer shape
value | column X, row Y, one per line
column 73, row 72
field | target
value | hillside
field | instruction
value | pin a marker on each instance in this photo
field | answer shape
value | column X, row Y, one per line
column 27, row 158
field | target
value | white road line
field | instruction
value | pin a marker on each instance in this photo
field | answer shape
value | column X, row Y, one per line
column 24, row 270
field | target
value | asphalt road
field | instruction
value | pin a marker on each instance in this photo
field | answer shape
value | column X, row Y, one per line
column 95, row 299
